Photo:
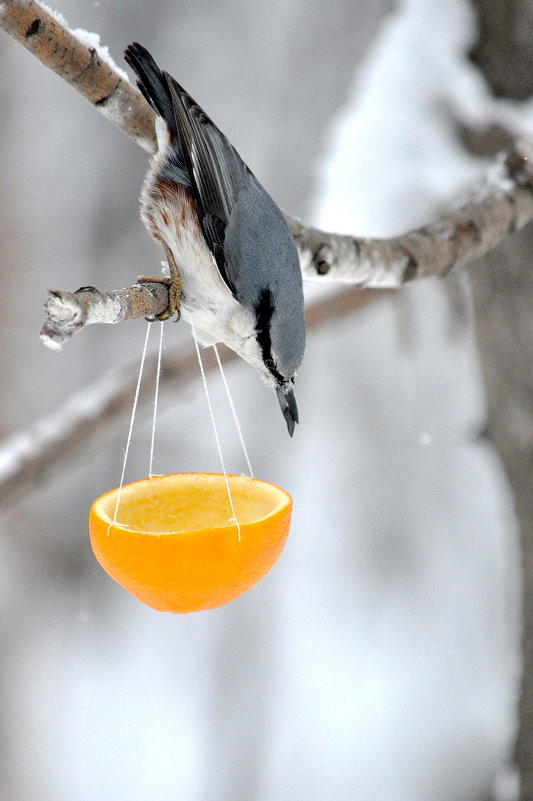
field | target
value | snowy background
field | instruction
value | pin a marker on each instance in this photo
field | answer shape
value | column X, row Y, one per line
column 378, row 661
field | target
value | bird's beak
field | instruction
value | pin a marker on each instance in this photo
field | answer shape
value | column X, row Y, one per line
column 289, row 409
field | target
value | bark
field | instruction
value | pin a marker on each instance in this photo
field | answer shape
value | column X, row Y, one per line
column 503, row 48
column 503, row 300
column 503, row 205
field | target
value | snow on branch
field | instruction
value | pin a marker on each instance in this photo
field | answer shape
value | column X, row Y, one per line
column 30, row 458
column 458, row 238
column 79, row 58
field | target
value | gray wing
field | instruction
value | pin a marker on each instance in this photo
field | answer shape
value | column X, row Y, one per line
column 245, row 231
column 216, row 170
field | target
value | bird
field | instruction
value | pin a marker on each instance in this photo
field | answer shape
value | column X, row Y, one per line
column 234, row 268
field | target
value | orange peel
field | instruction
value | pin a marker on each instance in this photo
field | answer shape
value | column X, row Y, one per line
column 174, row 544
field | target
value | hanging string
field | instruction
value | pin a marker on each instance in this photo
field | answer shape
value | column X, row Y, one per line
column 234, row 517
column 234, row 413
column 132, row 421
column 156, row 399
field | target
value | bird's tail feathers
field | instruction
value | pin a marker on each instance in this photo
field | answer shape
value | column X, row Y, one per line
column 151, row 82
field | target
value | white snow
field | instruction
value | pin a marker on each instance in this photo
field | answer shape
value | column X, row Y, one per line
column 90, row 40
column 57, row 15
column 396, row 137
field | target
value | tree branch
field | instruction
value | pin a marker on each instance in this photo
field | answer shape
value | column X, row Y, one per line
column 458, row 238
column 79, row 59
column 67, row 312
column 502, row 206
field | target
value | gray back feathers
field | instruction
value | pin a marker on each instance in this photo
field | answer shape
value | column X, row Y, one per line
column 244, row 229
column 242, row 226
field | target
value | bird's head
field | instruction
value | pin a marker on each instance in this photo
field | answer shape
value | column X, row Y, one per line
column 281, row 341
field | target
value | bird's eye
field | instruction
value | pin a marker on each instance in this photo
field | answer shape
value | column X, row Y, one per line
column 272, row 367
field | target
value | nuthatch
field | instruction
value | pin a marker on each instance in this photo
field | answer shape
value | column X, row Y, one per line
column 233, row 263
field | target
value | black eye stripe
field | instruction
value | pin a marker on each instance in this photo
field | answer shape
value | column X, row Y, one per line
column 263, row 313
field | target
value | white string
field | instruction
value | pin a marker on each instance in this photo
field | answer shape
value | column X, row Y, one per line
column 234, row 413
column 132, row 421
column 156, row 399
column 234, row 518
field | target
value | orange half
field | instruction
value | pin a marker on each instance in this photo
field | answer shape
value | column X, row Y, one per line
column 174, row 545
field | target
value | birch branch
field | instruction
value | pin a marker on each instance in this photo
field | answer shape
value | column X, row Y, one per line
column 433, row 250
column 503, row 205
column 458, row 238
column 79, row 58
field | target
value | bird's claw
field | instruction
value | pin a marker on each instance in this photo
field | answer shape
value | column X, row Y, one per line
column 174, row 295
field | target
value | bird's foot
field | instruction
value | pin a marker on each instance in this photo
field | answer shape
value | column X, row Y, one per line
column 174, row 295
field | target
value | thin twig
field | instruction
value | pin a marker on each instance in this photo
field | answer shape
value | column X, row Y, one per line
column 453, row 241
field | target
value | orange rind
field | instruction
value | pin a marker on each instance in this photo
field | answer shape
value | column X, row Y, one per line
column 175, row 546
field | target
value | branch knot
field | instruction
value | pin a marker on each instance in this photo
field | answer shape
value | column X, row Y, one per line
column 519, row 164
